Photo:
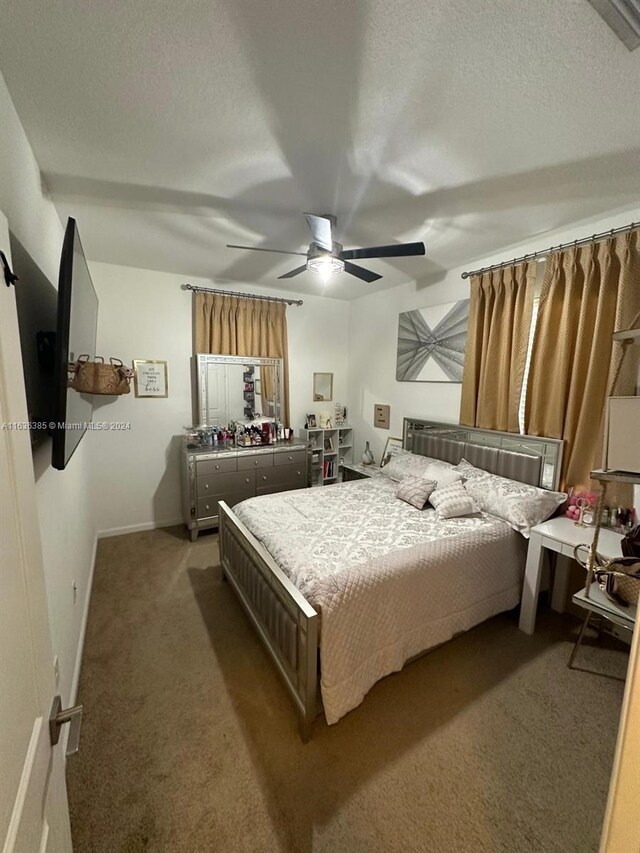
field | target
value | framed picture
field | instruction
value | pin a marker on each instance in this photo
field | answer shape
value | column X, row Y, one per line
column 150, row 378
column 392, row 448
column 328, row 445
column 432, row 343
column 311, row 421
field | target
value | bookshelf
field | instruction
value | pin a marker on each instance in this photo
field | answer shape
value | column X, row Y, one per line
column 330, row 448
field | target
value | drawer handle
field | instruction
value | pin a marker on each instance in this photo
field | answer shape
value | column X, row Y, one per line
column 264, row 476
column 206, row 485
column 217, row 467
column 299, row 473
column 206, row 506
column 290, row 458
column 248, row 480
column 255, row 461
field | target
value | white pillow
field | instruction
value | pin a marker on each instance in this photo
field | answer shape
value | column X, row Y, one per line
column 414, row 490
column 443, row 473
column 452, row 501
column 406, row 464
column 521, row 505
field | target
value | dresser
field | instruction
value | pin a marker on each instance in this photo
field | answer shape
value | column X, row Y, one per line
column 210, row 475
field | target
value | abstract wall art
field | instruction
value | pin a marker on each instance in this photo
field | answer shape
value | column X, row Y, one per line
column 432, row 342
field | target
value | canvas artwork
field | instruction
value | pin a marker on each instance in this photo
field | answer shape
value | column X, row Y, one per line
column 432, row 342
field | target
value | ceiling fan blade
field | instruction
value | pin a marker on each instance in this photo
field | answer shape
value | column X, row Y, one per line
column 398, row 250
column 258, row 249
column 296, row 271
column 321, row 228
column 361, row 272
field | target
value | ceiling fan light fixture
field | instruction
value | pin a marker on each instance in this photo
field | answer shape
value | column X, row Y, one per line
column 325, row 266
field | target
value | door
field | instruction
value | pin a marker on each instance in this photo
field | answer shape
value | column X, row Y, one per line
column 34, row 814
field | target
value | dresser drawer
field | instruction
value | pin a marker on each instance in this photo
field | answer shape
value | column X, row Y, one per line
column 260, row 460
column 296, row 457
column 208, row 507
column 222, row 484
column 216, row 466
column 286, row 476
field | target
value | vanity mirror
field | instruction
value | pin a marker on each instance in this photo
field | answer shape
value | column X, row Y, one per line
column 322, row 386
column 237, row 388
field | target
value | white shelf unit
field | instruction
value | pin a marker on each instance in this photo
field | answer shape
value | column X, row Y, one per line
column 330, row 448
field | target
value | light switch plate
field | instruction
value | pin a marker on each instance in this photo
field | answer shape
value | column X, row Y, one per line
column 381, row 415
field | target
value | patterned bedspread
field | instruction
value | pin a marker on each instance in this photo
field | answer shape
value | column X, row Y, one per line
column 389, row 581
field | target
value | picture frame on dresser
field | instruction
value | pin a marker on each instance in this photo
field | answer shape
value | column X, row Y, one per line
column 392, row 447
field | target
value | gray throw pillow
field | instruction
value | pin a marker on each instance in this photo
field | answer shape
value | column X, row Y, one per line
column 415, row 490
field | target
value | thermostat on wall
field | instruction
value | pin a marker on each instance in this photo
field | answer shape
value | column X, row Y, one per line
column 381, row 415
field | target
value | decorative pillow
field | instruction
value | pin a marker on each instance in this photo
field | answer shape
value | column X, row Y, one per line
column 414, row 490
column 407, row 464
column 443, row 473
column 452, row 501
column 521, row 505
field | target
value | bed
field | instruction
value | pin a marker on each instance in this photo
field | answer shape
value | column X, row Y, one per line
column 350, row 577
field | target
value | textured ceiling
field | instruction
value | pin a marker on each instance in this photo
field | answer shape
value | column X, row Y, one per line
column 169, row 129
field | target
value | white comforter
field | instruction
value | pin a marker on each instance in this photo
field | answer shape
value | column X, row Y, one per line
column 389, row 581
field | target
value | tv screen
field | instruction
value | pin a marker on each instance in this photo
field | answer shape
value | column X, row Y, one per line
column 76, row 336
column 36, row 302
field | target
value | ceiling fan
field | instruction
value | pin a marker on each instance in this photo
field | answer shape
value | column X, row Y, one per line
column 326, row 257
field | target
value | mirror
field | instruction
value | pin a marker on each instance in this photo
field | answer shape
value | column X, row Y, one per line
column 237, row 388
column 322, row 386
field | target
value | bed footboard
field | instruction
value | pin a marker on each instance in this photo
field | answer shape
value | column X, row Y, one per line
column 283, row 618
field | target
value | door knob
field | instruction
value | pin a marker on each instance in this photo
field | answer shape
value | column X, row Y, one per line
column 58, row 717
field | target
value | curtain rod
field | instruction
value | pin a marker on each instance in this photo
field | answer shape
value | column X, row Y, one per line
column 197, row 289
column 544, row 252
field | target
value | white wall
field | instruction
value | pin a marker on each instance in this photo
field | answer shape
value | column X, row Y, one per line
column 144, row 314
column 373, row 335
column 66, row 521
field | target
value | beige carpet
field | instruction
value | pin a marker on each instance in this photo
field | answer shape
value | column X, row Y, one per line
column 190, row 743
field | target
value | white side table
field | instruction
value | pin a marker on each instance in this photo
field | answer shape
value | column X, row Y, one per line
column 560, row 535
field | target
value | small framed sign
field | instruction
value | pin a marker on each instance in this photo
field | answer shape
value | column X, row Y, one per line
column 392, row 448
column 150, row 378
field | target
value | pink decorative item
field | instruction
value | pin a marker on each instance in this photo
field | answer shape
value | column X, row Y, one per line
column 579, row 500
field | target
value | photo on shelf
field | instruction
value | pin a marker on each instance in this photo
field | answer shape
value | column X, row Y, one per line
column 328, row 444
column 311, row 421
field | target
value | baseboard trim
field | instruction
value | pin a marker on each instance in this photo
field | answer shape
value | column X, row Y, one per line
column 138, row 528
column 83, row 627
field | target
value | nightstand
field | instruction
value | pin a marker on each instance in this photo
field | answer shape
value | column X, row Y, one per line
column 560, row 535
column 358, row 471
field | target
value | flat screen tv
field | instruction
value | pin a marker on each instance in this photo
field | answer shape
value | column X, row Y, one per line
column 75, row 336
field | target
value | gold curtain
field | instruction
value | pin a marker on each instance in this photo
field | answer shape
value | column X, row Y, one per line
column 230, row 325
column 588, row 293
column 499, row 325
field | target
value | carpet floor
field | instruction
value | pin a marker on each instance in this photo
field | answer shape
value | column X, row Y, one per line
column 190, row 743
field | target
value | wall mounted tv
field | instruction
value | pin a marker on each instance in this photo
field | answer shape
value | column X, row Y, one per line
column 75, row 336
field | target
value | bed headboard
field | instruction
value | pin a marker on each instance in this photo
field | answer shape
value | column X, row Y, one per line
column 526, row 458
